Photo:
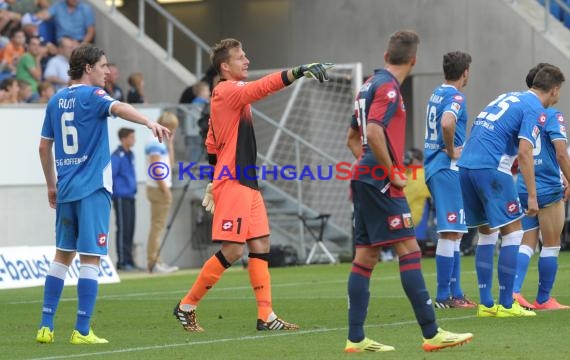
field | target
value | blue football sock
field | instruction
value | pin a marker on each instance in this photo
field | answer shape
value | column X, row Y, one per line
column 358, row 298
column 484, row 258
column 52, row 292
column 507, row 267
column 87, row 287
column 523, row 259
column 415, row 288
column 547, row 268
column 444, row 267
column 455, row 284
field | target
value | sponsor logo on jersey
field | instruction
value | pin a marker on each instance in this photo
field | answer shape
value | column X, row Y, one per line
column 455, row 106
column 512, row 207
column 408, row 223
column 542, row 119
column 100, row 92
column 391, row 94
column 395, row 222
column 102, row 240
column 458, row 98
column 452, row 217
column 560, row 118
column 227, row 225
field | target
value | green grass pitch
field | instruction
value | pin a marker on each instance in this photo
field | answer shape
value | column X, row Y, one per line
column 136, row 317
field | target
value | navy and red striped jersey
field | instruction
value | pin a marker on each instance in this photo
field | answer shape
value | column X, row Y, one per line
column 379, row 103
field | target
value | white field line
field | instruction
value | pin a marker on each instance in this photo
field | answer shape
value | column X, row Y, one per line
column 225, row 340
column 135, row 296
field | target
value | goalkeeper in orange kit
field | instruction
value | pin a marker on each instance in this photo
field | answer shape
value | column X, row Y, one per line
column 240, row 217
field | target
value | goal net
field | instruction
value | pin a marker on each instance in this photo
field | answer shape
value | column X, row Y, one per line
column 306, row 125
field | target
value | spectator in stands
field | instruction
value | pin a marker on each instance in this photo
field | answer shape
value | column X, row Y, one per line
column 211, row 78
column 58, row 66
column 45, row 91
column 31, row 24
column 73, row 18
column 12, row 52
column 11, row 89
column 25, row 95
column 29, row 66
column 111, row 85
column 202, row 91
column 8, row 19
column 23, row 7
column 196, row 116
column 136, row 92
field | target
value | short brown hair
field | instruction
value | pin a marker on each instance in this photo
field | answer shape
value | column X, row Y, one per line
column 548, row 78
column 532, row 73
column 221, row 52
column 82, row 56
column 169, row 120
column 124, row 132
column 454, row 64
column 402, row 47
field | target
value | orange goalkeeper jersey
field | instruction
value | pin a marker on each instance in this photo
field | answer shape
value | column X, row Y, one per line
column 230, row 134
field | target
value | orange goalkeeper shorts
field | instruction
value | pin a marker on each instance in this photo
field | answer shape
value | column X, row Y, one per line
column 240, row 213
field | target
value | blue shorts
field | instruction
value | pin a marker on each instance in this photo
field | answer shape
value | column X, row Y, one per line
column 83, row 225
column 490, row 197
column 379, row 219
column 446, row 193
column 531, row 223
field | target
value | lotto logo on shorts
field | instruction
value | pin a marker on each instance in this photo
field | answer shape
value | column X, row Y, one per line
column 227, row 225
column 395, row 222
column 452, row 217
column 102, row 240
column 512, row 207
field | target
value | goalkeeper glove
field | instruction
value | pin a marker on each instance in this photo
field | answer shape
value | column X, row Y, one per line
column 208, row 201
column 315, row 70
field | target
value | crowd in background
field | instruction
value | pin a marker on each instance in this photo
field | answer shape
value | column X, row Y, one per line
column 36, row 41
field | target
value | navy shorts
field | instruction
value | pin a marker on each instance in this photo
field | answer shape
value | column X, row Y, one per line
column 379, row 219
column 83, row 225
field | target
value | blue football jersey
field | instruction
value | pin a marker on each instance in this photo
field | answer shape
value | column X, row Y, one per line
column 495, row 135
column 445, row 98
column 76, row 119
column 546, row 168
